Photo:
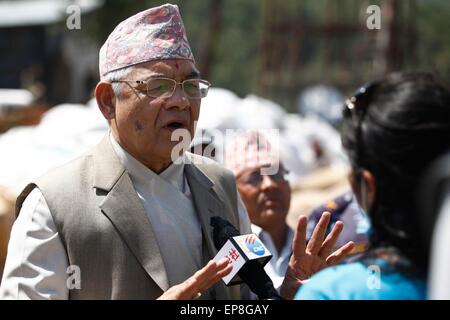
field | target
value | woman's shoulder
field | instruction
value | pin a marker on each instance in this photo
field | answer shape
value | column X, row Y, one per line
column 356, row 281
column 333, row 282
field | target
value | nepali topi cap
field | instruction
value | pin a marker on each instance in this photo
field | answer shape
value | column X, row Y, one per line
column 154, row 34
column 250, row 150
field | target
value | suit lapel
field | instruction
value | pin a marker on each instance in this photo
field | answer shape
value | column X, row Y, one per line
column 207, row 205
column 126, row 212
column 124, row 209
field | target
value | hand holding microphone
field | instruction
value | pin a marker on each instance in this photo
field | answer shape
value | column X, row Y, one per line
column 249, row 255
column 306, row 259
column 202, row 280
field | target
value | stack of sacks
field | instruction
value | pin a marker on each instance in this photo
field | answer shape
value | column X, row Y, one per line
column 299, row 137
column 218, row 110
column 325, row 167
column 322, row 102
column 310, row 148
column 304, row 133
column 222, row 110
column 65, row 132
column 216, row 115
column 315, row 189
column 255, row 113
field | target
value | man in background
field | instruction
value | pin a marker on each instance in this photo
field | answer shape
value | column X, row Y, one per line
column 266, row 196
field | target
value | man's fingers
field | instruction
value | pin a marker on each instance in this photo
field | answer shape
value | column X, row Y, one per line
column 340, row 254
column 299, row 242
column 315, row 243
column 331, row 239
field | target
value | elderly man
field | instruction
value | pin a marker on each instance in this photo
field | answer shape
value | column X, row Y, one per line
column 125, row 220
column 267, row 200
column 266, row 196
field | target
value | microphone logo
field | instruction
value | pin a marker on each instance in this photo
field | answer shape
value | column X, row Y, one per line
column 252, row 243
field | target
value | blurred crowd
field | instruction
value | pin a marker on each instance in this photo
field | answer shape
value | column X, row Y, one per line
column 309, row 144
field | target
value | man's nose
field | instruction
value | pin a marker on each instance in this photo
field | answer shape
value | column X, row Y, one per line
column 178, row 99
column 267, row 182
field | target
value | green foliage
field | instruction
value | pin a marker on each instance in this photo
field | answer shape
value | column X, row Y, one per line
column 237, row 53
column 433, row 43
column 338, row 56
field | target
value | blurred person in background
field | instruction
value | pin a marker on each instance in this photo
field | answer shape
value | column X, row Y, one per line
column 344, row 208
column 433, row 200
column 439, row 277
column 392, row 130
column 266, row 197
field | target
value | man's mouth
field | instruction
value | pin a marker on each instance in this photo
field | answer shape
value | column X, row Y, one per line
column 271, row 201
column 175, row 124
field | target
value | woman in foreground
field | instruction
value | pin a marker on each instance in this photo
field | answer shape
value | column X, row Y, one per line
column 392, row 130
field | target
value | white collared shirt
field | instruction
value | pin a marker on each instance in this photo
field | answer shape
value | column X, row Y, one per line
column 36, row 265
column 177, row 232
column 277, row 265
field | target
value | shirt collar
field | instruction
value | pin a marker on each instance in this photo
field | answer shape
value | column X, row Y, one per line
column 174, row 174
column 267, row 240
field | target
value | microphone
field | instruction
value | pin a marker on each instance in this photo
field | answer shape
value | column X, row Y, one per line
column 246, row 252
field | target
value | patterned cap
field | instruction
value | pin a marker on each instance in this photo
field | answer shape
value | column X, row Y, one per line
column 154, row 34
column 250, row 150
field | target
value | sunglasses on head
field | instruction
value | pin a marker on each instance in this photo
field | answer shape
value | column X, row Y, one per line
column 355, row 107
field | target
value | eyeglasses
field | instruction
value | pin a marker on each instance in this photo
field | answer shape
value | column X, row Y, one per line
column 356, row 108
column 165, row 87
column 255, row 178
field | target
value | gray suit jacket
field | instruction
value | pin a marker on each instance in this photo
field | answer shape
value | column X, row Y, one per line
column 105, row 230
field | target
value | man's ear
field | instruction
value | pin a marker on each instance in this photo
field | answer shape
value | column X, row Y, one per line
column 106, row 100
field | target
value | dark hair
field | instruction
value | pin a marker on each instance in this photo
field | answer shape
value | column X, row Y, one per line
column 406, row 125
